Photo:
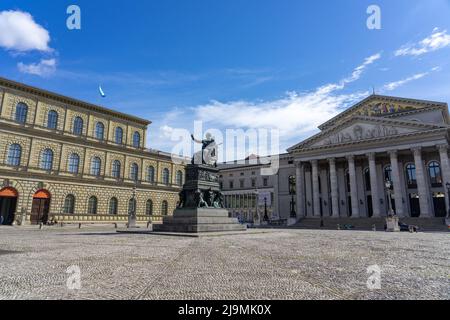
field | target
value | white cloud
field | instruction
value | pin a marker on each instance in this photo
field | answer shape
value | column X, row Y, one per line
column 396, row 84
column 356, row 74
column 44, row 68
column 437, row 40
column 296, row 115
column 19, row 32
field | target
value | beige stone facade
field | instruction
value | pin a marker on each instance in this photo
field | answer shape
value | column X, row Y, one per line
column 39, row 142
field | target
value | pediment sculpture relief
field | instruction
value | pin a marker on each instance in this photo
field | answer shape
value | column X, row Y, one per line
column 361, row 133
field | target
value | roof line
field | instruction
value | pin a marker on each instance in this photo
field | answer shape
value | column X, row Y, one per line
column 342, row 114
column 65, row 99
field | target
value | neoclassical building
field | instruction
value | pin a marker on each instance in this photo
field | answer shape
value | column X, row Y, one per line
column 342, row 170
column 71, row 161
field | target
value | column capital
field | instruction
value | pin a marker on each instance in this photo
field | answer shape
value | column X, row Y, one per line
column 315, row 162
column 393, row 153
column 350, row 158
column 443, row 147
column 371, row 156
column 417, row 151
column 332, row 160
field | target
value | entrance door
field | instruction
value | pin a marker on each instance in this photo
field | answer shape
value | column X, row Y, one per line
column 414, row 205
column 8, row 204
column 369, row 206
column 439, row 205
column 40, row 208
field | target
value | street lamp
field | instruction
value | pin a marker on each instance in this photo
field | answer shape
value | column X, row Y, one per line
column 132, row 213
column 266, row 217
column 388, row 186
column 292, row 193
column 448, row 196
column 256, row 206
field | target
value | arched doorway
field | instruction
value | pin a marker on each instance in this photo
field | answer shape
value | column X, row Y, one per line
column 41, row 207
column 8, row 204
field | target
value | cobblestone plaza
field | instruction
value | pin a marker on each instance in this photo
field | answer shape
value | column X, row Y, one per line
column 273, row 264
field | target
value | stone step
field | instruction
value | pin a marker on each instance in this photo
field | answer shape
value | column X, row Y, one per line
column 204, row 213
column 425, row 224
column 195, row 228
column 199, row 220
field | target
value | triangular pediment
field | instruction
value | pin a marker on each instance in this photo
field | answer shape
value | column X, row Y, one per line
column 362, row 128
column 380, row 106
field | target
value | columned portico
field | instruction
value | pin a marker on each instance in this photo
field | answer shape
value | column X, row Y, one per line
column 374, row 185
column 316, row 188
column 422, row 185
column 353, row 186
column 300, row 189
column 334, row 188
column 398, row 191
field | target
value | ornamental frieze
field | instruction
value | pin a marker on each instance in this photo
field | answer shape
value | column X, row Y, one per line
column 361, row 133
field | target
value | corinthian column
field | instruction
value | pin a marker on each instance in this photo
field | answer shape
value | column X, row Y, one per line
column 300, row 189
column 445, row 171
column 334, row 189
column 374, row 186
column 398, row 191
column 353, row 186
column 422, row 185
column 316, row 191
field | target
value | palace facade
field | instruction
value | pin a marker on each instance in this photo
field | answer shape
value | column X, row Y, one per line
column 69, row 161
column 342, row 171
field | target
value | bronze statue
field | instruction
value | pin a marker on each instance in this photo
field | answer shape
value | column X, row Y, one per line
column 208, row 155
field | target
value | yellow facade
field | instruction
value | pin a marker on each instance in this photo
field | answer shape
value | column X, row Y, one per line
column 31, row 172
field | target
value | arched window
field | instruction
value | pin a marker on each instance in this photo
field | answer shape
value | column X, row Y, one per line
column 113, row 205
column 47, row 159
column 99, row 131
column 136, row 140
column 367, row 179
column 149, row 207
column 164, row 208
column 116, row 169
column 78, row 126
column 14, row 154
column 131, row 206
column 52, row 120
column 119, row 135
column 166, row 176
column 411, row 176
column 21, row 112
column 151, row 174
column 69, row 204
column 179, row 178
column 388, row 173
column 74, row 163
column 134, row 172
column 92, row 205
column 96, row 165
column 434, row 170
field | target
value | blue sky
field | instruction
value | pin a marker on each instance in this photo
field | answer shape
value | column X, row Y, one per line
column 233, row 64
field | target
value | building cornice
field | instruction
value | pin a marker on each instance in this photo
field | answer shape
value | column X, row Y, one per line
column 13, row 85
column 422, row 103
column 377, row 141
column 378, row 120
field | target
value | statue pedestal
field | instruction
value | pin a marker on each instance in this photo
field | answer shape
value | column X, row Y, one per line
column 199, row 220
column 392, row 224
column 201, row 207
